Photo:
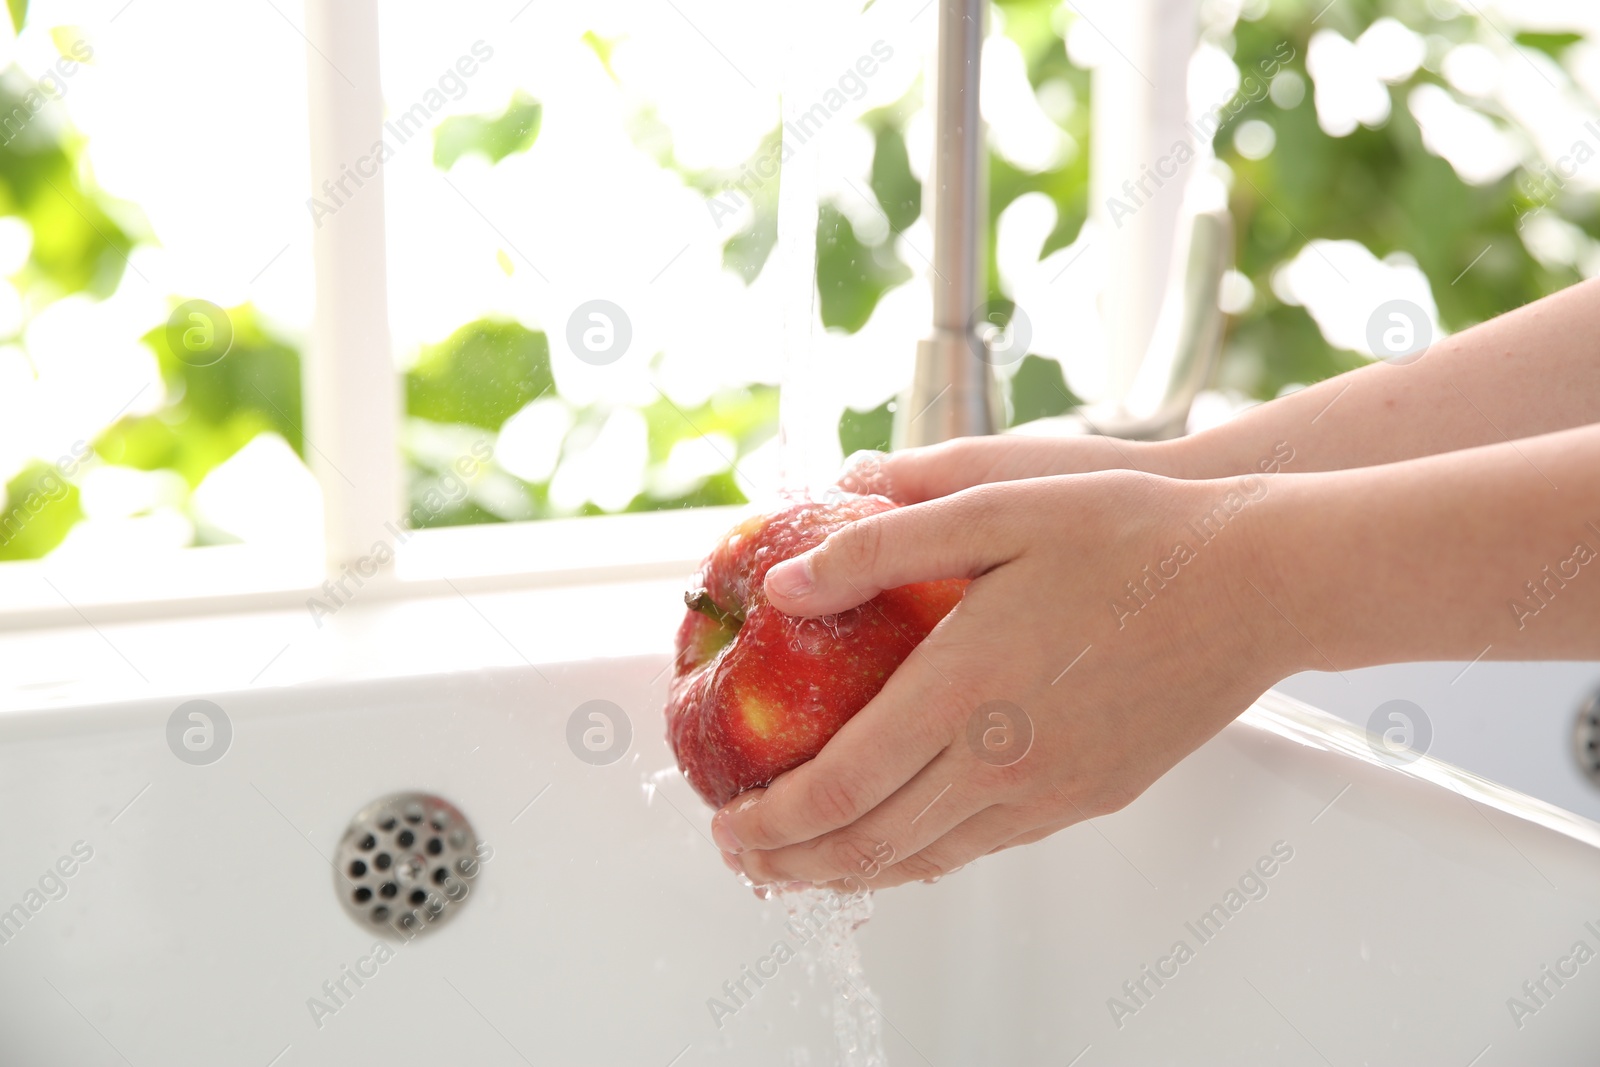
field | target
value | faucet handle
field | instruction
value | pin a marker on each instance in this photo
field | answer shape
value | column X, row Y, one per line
column 1187, row 341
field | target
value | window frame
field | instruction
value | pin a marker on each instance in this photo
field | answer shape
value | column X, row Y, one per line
column 354, row 409
column 354, row 406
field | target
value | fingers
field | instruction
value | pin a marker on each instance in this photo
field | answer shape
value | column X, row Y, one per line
column 1037, row 834
column 879, row 750
column 870, row 471
column 937, row 799
column 956, row 537
column 919, row 474
column 974, row 838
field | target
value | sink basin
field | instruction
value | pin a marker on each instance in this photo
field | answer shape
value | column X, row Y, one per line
column 1335, row 909
column 1512, row 722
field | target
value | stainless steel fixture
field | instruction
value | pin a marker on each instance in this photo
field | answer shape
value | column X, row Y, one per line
column 1157, row 368
column 952, row 391
column 1187, row 340
column 406, row 863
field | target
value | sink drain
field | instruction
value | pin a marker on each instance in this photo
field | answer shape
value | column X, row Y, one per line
column 406, row 863
column 1586, row 739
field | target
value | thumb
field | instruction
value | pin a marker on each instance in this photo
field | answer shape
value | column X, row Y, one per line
column 959, row 536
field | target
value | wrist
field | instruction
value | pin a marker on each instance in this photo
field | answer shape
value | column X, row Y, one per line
column 1246, row 519
column 1192, row 457
column 1166, row 459
column 1212, row 546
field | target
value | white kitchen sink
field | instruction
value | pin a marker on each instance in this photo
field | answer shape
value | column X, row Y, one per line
column 1512, row 722
column 1404, row 908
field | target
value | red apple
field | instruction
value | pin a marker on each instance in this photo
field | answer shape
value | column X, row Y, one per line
column 756, row 692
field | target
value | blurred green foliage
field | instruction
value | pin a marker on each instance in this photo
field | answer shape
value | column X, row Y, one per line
column 1039, row 390
column 41, row 507
column 493, row 137
column 898, row 193
column 852, row 276
column 220, row 408
column 745, row 416
column 867, row 430
column 1380, row 187
column 79, row 246
column 481, row 375
column 1031, row 24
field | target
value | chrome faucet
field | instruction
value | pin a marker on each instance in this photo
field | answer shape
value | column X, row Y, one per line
column 953, row 390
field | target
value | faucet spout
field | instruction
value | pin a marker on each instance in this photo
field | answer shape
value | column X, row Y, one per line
column 952, row 391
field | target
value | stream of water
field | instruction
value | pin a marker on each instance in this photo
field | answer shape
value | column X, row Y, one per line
column 796, row 262
column 805, row 457
column 833, row 954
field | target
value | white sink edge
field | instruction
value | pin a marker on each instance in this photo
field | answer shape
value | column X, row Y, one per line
column 1295, row 720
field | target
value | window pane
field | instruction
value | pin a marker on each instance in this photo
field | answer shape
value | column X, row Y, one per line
column 153, row 157
column 582, row 203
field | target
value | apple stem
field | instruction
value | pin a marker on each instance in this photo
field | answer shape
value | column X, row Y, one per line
column 700, row 600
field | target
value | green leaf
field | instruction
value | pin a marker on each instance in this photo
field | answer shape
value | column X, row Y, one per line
column 851, row 275
column 746, row 252
column 215, row 410
column 749, row 416
column 602, row 47
column 40, row 507
column 897, row 190
column 859, row 430
column 716, row 491
column 480, row 375
column 1038, row 390
column 77, row 246
column 1551, row 44
column 493, row 137
column 19, row 13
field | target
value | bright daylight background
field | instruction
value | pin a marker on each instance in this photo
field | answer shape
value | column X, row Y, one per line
column 1406, row 151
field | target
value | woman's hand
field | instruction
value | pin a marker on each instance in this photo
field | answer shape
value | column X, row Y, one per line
column 1117, row 620
column 918, row 474
column 1526, row 373
column 1110, row 629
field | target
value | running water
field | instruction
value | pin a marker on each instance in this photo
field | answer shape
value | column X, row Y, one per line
column 824, row 921
column 805, row 458
column 796, row 256
column 807, row 455
column 835, row 916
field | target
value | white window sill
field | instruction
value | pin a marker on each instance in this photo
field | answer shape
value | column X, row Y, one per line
column 237, row 578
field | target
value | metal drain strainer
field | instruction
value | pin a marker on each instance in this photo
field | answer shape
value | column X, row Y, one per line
column 1586, row 739
column 406, row 863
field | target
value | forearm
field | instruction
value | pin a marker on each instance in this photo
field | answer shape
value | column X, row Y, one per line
column 1535, row 370
column 1492, row 552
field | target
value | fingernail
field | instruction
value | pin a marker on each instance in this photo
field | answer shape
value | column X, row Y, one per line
column 725, row 838
column 732, row 862
column 792, row 578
